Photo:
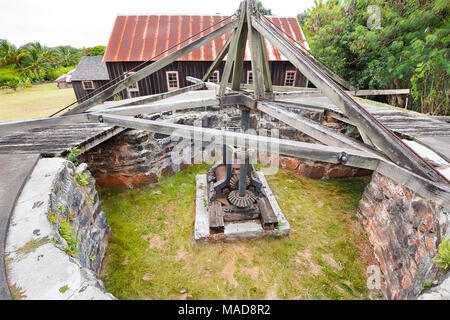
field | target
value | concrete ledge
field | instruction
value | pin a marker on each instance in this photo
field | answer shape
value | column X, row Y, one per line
column 235, row 230
column 36, row 268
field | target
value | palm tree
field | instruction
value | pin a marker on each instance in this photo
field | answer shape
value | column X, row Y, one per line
column 10, row 55
column 67, row 56
column 39, row 59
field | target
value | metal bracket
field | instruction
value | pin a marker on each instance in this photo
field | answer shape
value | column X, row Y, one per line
column 237, row 99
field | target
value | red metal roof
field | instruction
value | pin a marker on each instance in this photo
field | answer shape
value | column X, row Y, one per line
column 142, row 38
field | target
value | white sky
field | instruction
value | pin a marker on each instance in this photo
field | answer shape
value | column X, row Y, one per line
column 85, row 23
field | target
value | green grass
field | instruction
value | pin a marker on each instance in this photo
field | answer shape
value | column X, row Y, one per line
column 152, row 253
column 34, row 102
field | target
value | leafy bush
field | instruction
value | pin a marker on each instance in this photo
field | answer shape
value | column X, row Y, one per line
column 74, row 153
column 442, row 259
column 66, row 231
column 83, row 179
column 409, row 49
column 9, row 81
column 56, row 73
column 96, row 51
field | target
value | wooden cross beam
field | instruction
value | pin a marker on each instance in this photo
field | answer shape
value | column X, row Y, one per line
column 163, row 107
column 152, row 68
column 313, row 129
column 155, row 97
column 381, row 136
column 440, row 193
column 316, row 152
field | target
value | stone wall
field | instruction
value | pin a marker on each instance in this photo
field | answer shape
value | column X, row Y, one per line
column 405, row 231
column 39, row 266
column 81, row 205
column 135, row 158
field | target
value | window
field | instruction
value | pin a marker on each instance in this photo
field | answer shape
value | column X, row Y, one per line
column 249, row 77
column 88, row 85
column 134, row 87
column 290, row 78
column 172, row 80
column 214, row 77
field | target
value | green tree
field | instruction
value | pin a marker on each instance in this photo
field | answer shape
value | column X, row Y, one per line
column 263, row 10
column 68, row 56
column 96, row 51
column 408, row 49
column 10, row 55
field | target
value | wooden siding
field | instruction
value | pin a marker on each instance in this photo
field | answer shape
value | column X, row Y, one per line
column 80, row 93
column 157, row 83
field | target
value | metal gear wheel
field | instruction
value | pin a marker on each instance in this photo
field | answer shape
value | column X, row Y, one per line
column 241, row 201
column 234, row 182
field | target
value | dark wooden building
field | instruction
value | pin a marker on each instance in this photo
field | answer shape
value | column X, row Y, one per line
column 136, row 39
column 90, row 74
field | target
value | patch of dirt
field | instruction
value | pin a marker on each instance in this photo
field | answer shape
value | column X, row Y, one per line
column 148, row 277
column 305, row 255
column 154, row 241
column 329, row 259
column 228, row 272
column 271, row 294
column 182, row 254
column 125, row 261
column 252, row 272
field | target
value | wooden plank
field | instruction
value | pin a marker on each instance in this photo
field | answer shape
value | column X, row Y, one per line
column 216, row 223
column 439, row 144
column 256, row 54
column 164, row 106
column 8, row 127
column 216, row 63
column 234, row 44
column 228, row 66
column 240, row 49
column 382, row 137
column 154, row 97
column 355, row 158
column 150, row 69
column 269, row 220
column 438, row 192
column 313, row 129
column 266, row 69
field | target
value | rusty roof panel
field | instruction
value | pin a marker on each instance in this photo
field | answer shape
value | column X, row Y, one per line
column 151, row 37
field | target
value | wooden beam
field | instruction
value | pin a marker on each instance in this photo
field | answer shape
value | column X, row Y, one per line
column 381, row 136
column 266, row 68
column 163, row 107
column 152, row 68
column 256, row 54
column 303, row 150
column 437, row 192
column 154, row 97
column 313, row 129
column 240, row 50
column 235, row 41
column 440, row 193
column 8, row 127
column 216, row 63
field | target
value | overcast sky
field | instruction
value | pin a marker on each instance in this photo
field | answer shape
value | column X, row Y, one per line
column 85, row 23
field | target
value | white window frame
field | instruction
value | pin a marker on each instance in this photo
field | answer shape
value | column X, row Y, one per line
column 130, row 89
column 88, row 81
column 293, row 80
column 217, row 74
column 169, row 88
column 249, row 73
